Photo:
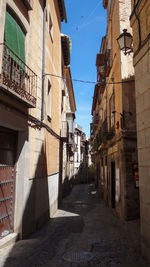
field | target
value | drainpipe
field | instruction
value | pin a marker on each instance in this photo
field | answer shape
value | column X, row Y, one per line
column 43, row 59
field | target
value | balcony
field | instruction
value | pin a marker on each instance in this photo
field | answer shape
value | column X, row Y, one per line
column 71, row 139
column 100, row 63
column 108, row 62
column 100, row 60
column 105, row 133
column 16, row 78
column 104, row 128
column 65, row 130
column 111, row 133
column 104, row 64
column 28, row 4
column 96, row 119
column 93, row 128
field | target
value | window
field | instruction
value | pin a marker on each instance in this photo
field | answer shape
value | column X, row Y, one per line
column 50, row 27
column 49, row 100
column 111, row 108
column 62, row 100
column 14, row 35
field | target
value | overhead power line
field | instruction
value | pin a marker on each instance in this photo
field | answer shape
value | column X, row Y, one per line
column 91, row 82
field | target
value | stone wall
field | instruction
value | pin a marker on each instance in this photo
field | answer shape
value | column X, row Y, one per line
column 142, row 85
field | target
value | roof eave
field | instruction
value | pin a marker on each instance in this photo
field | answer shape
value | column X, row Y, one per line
column 70, row 87
column 66, row 48
column 105, row 2
column 62, row 10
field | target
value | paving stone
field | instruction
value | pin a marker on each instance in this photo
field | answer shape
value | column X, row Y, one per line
column 83, row 224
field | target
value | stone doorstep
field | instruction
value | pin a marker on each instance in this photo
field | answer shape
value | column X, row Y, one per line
column 8, row 240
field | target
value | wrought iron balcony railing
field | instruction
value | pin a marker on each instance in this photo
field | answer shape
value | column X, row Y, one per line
column 96, row 119
column 104, row 128
column 111, row 133
column 16, row 78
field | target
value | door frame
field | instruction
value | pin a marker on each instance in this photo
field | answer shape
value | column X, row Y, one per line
column 113, row 185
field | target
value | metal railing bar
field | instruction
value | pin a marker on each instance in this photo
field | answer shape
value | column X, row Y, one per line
column 19, row 58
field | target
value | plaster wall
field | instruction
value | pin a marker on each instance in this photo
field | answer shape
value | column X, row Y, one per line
column 53, row 66
column 38, row 150
column 53, row 185
column 53, row 62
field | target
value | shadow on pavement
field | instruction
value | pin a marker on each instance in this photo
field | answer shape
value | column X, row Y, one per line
column 41, row 246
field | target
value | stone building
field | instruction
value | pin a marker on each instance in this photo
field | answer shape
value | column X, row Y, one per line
column 77, row 154
column 81, row 155
column 68, row 108
column 140, row 23
column 30, row 113
column 113, row 128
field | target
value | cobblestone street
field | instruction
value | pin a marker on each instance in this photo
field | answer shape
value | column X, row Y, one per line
column 84, row 232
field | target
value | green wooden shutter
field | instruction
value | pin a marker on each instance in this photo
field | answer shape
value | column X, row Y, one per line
column 15, row 37
column 11, row 33
column 21, row 42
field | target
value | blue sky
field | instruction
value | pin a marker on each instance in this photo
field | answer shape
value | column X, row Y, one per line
column 86, row 26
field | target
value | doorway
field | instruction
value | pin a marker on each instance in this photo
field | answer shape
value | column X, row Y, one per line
column 8, row 149
column 97, row 174
column 113, row 184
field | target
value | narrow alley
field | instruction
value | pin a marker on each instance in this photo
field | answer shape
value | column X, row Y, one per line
column 83, row 232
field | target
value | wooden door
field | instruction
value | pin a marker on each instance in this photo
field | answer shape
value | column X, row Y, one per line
column 8, row 148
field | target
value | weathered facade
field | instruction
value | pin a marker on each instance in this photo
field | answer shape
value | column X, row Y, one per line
column 68, row 108
column 114, row 122
column 30, row 113
column 140, row 23
column 81, row 155
column 77, row 154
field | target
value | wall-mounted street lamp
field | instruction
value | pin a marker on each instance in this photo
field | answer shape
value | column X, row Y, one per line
column 122, row 115
column 125, row 42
